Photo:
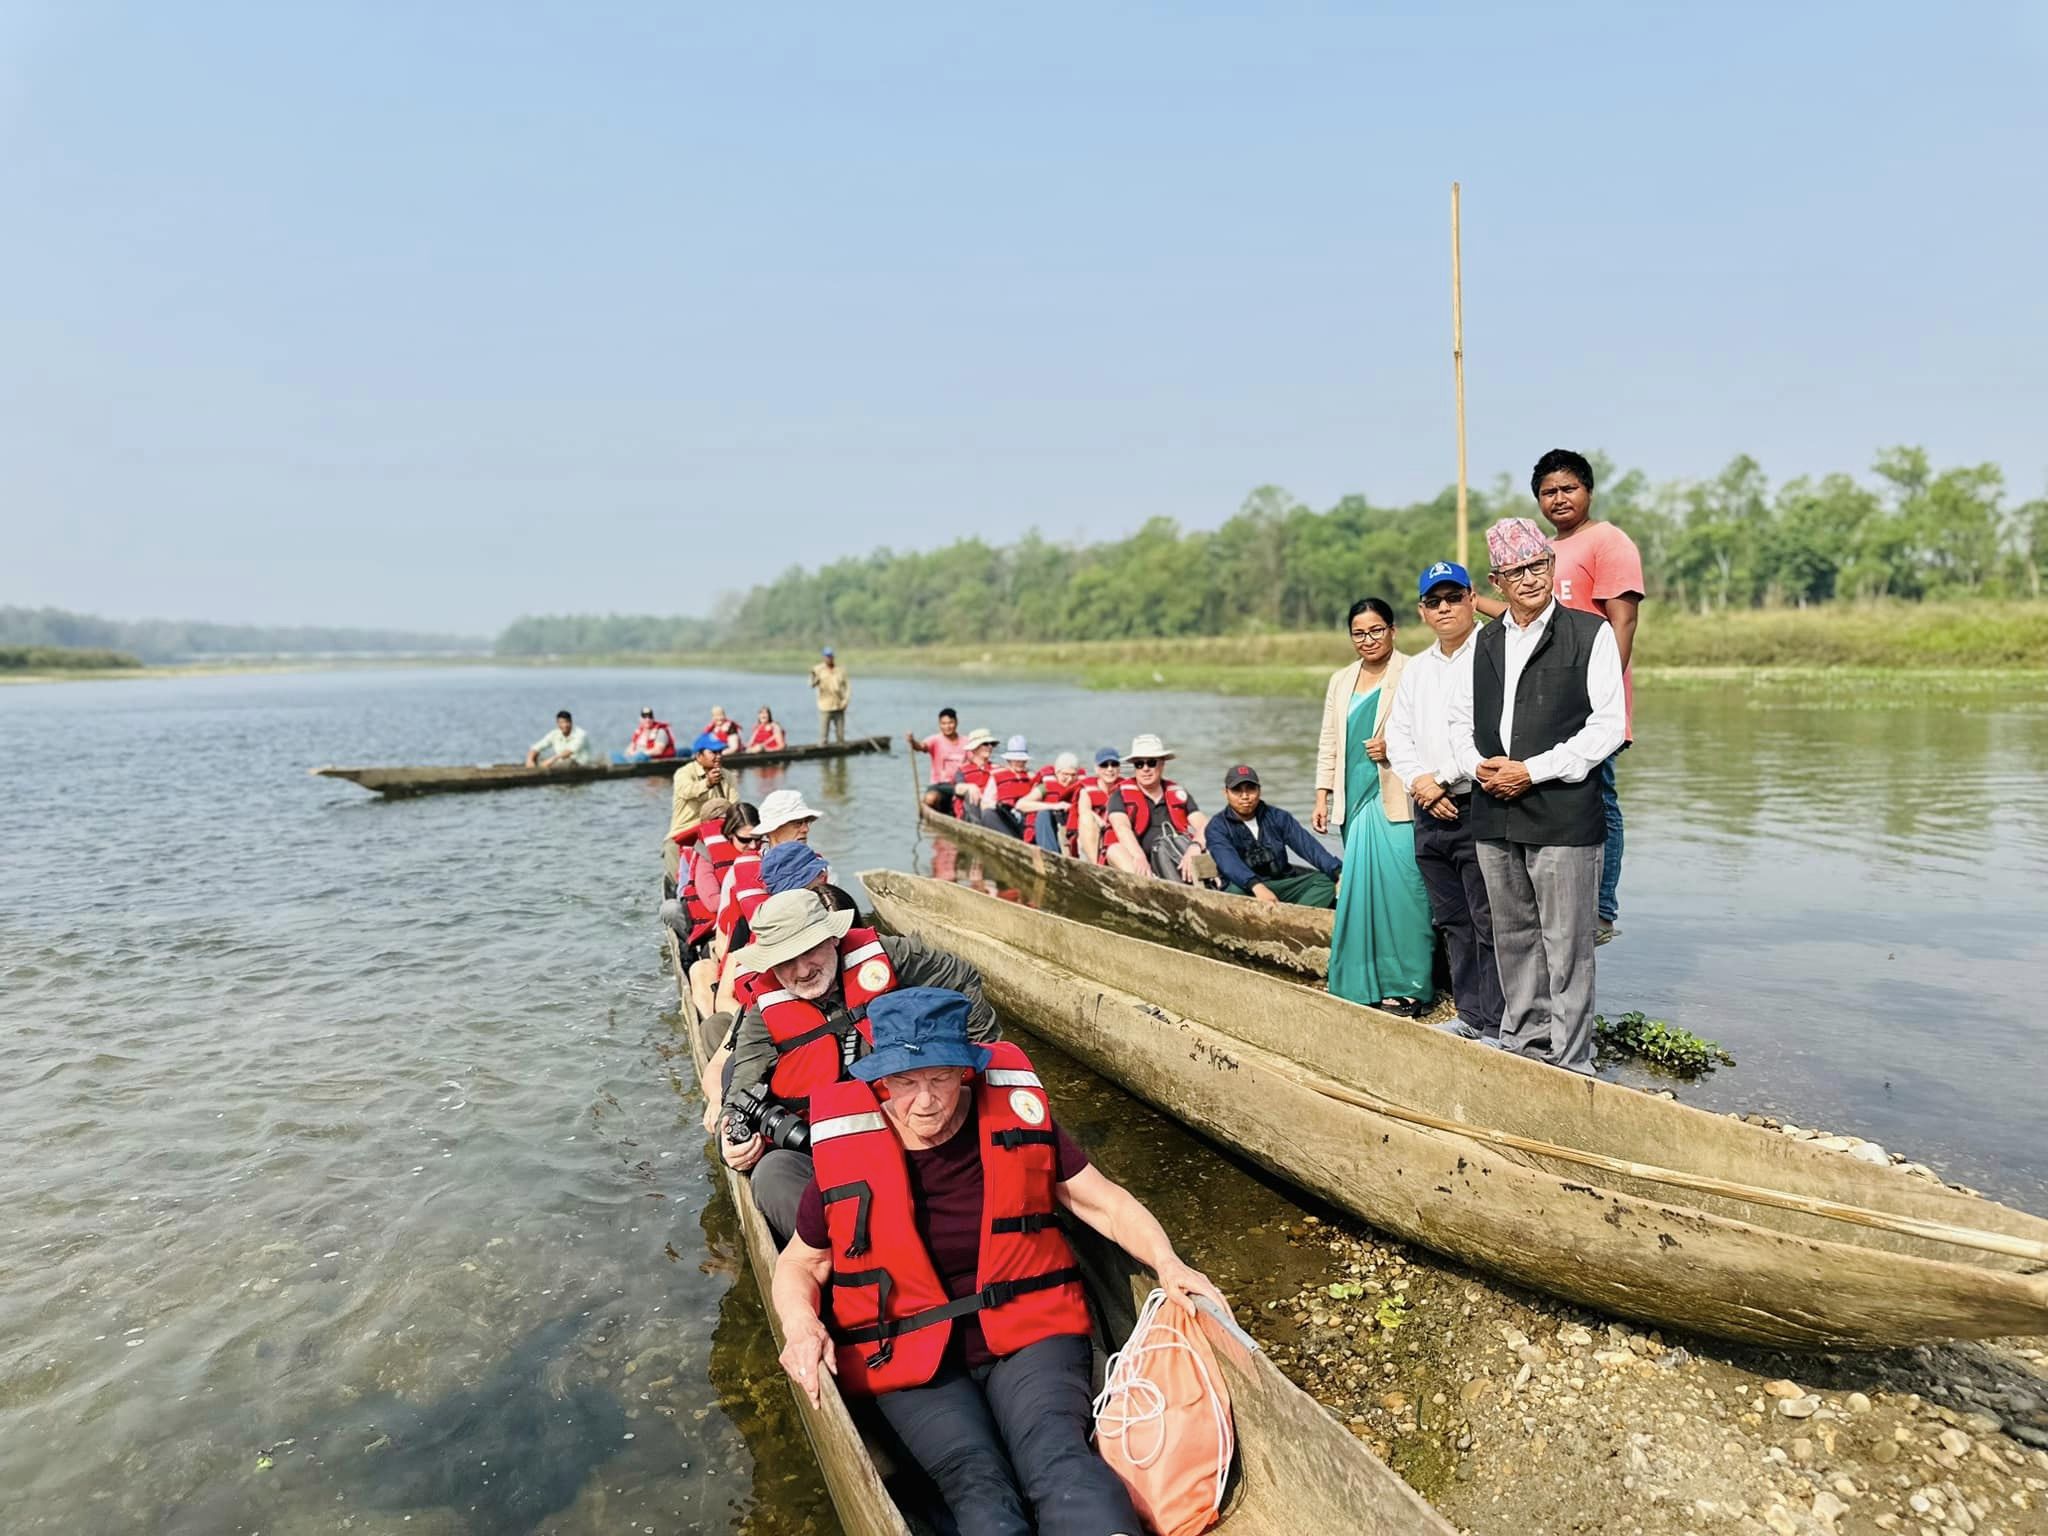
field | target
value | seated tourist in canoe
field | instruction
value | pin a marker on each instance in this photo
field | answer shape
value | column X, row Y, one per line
column 948, row 752
column 1251, row 840
column 1048, row 811
column 809, row 977
column 651, row 740
column 723, row 727
column 696, row 784
column 1158, row 829
column 973, row 776
column 1092, row 835
column 785, row 819
column 1008, row 783
column 768, row 735
column 566, row 746
column 723, row 860
column 703, row 851
column 975, row 1345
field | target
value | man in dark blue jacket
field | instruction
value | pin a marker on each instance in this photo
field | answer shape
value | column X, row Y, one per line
column 1250, row 843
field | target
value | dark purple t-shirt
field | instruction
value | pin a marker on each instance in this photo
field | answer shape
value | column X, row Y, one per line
column 945, row 1189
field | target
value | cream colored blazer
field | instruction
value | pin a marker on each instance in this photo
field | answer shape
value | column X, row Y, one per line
column 1330, row 750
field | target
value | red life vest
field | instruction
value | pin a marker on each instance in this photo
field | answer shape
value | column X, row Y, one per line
column 1139, row 809
column 967, row 788
column 807, row 1051
column 766, row 738
column 727, row 731
column 708, row 860
column 890, row 1313
column 740, row 892
column 1053, row 792
column 655, row 739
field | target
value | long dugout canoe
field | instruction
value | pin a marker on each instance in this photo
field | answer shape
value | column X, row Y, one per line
column 1297, row 1468
column 1272, row 1069
column 401, row 783
column 1291, row 939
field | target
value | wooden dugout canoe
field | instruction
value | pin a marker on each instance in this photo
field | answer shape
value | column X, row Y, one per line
column 1285, row 938
column 1297, row 1468
column 1253, row 1062
column 401, row 783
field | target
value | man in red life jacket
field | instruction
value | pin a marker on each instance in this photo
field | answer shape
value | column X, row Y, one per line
column 805, row 1020
column 651, row 739
column 1007, row 786
column 955, row 1300
column 1158, row 829
column 974, row 775
column 1048, row 811
column 1093, row 835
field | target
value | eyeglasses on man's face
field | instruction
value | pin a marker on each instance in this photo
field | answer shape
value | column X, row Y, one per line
column 1515, row 575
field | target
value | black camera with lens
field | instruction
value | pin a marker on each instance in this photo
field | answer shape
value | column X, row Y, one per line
column 753, row 1112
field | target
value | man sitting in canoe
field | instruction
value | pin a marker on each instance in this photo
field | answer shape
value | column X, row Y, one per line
column 955, row 1302
column 1049, row 821
column 651, row 739
column 1158, row 829
column 1092, row 835
column 1008, row 784
column 973, row 776
column 1250, row 842
column 812, row 976
column 697, row 783
column 948, row 753
column 567, row 746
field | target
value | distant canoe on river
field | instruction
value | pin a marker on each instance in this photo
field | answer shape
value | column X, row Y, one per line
column 400, row 783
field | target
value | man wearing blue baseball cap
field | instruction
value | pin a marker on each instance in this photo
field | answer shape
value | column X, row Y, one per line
column 1419, row 751
column 696, row 784
column 928, row 1275
column 829, row 678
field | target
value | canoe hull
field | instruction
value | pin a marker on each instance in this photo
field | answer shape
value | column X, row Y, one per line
column 1296, row 1463
column 404, row 783
column 1292, row 940
column 1225, row 1053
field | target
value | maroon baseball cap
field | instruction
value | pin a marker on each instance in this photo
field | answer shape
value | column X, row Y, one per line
column 1241, row 775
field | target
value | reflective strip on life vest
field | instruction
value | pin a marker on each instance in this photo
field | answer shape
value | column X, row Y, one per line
column 865, row 952
column 769, row 999
column 846, row 1125
column 1010, row 1077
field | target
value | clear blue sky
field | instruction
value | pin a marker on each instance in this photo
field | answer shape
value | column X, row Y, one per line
column 429, row 315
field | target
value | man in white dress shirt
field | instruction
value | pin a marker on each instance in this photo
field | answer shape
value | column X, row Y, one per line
column 1541, row 708
column 1419, row 750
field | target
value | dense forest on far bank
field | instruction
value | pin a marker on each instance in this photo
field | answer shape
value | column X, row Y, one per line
column 1910, row 532
column 173, row 640
column 59, row 658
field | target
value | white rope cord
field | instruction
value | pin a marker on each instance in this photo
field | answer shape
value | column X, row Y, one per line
column 1129, row 1399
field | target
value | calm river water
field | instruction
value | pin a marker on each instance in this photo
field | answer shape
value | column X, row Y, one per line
column 349, row 1173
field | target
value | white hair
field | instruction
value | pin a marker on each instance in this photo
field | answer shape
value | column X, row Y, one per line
column 1065, row 761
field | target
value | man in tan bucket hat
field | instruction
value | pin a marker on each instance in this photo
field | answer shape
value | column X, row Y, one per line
column 805, row 1004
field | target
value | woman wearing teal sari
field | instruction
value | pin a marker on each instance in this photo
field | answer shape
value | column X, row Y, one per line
column 1383, row 950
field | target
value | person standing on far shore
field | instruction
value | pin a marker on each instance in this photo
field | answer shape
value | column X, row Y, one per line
column 829, row 678
column 1541, row 712
column 1599, row 570
column 1419, row 752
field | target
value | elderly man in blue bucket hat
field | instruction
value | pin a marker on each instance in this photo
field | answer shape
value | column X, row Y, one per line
column 956, row 1302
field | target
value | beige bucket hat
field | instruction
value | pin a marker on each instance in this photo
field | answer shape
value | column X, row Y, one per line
column 981, row 737
column 1147, row 745
column 786, row 925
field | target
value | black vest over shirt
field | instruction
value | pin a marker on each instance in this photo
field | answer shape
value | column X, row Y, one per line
column 1551, row 703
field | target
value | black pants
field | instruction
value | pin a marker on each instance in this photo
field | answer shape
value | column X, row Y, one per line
column 1457, row 900
column 1007, row 1445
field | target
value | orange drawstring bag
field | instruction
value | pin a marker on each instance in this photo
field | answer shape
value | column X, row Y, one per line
column 1162, row 1421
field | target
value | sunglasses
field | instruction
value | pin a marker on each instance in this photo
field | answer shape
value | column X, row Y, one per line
column 1448, row 600
column 749, row 839
column 1110, row 762
column 1147, row 762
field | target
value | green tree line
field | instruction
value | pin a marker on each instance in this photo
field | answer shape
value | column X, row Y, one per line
column 167, row 640
column 1908, row 532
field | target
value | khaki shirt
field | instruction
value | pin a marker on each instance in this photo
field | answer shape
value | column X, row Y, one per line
column 693, row 792
column 833, row 688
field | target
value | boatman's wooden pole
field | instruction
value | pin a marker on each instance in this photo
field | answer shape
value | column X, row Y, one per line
column 1458, row 367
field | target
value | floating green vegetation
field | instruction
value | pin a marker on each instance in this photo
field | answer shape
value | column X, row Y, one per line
column 1661, row 1045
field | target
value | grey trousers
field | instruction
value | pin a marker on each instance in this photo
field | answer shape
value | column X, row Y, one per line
column 831, row 722
column 1544, row 917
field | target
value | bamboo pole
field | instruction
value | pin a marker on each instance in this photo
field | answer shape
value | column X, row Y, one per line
column 1862, row 1216
column 1458, row 368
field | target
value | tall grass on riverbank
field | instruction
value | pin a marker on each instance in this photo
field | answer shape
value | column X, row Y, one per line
column 1983, row 640
column 64, row 658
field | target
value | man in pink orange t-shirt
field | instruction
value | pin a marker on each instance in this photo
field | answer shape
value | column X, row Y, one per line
column 1598, row 571
column 948, row 751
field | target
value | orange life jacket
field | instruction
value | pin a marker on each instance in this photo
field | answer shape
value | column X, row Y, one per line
column 807, row 1048
column 891, row 1315
column 1136, row 806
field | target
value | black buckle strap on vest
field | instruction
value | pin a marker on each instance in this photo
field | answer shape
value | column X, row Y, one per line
column 1036, row 1221
column 998, row 1294
column 884, row 1333
column 821, row 1032
column 1014, row 1137
column 864, row 1197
